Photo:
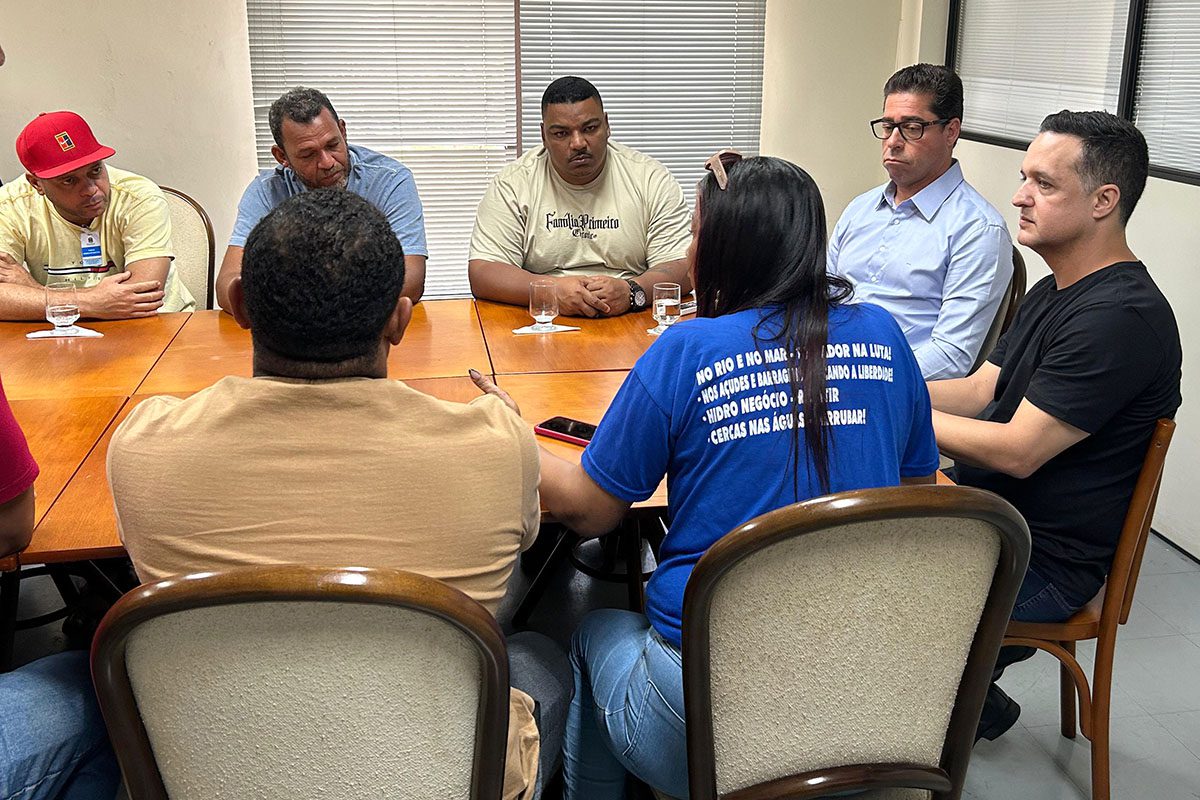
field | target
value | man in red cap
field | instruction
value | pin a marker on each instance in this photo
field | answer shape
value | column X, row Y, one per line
column 72, row 218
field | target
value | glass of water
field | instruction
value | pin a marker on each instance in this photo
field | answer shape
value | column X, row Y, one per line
column 62, row 305
column 666, row 306
column 543, row 305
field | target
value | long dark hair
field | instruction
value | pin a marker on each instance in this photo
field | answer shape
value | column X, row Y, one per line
column 760, row 242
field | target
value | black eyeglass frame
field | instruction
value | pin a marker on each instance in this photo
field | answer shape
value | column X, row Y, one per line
column 900, row 127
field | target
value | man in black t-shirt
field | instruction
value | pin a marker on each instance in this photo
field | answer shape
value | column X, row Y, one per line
column 1059, row 418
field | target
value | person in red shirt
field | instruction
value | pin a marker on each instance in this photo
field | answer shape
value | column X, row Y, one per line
column 52, row 738
column 17, row 473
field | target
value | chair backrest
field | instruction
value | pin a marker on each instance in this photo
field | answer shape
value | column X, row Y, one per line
column 289, row 682
column 1006, row 310
column 1127, row 560
column 195, row 246
column 847, row 643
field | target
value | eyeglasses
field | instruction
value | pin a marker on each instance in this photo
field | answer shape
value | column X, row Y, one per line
column 910, row 131
column 719, row 162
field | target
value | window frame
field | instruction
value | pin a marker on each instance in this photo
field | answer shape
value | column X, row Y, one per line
column 1130, row 66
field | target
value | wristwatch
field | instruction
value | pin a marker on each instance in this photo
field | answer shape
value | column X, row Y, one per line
column 637, row 296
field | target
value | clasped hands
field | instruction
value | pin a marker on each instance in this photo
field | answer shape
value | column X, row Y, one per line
column 592, row 296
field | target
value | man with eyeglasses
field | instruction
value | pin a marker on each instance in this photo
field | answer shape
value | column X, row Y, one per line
column 926, row 246
column 601, row 220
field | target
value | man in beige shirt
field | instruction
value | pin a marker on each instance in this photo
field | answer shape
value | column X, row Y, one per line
column 603, row 221
column 320, row 459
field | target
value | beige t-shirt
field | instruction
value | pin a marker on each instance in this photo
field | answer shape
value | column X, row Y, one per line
column 359, row 472
column 630, row 218
column 135, row 225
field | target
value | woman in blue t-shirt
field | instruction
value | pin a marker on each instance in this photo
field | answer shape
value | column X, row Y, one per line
column 777, row 392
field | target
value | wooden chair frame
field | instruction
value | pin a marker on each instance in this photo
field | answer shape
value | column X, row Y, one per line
column 1100, row 618
column 304, row 584
column 868, row 505
column 210, row 292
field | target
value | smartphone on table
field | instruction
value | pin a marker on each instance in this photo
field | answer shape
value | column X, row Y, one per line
column 567, row 430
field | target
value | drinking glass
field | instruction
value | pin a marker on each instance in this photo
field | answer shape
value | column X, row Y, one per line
column 543, row 305
column 62, row 305
column 666, row 306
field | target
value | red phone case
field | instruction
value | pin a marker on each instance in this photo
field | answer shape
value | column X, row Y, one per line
column 562, row 437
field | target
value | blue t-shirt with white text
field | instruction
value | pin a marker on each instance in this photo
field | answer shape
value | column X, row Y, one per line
column 710, row 407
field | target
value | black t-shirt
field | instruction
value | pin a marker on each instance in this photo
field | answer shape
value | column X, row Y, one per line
column 1104, row 356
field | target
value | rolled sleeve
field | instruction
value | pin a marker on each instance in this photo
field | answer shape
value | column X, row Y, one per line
column 628, row 455
column 146, row 232
column 499, row 232
column 402, row 207
column 253, row 206
column 977, row 278
column 669, row 228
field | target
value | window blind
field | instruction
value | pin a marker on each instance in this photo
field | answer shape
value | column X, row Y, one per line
column 679, row 80
column 1021, row 60
column 431, row 84
column 1167, row 99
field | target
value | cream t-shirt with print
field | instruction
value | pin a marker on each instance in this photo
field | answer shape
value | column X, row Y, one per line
column 630, row 218
column 135, row 225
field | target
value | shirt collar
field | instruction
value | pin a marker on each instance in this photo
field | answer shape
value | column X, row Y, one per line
column 930, row 199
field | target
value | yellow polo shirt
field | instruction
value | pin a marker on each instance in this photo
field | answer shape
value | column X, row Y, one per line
column 135, row 225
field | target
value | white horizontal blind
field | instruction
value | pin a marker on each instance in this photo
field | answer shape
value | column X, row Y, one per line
column 1167, row 101
column 1021, row 60
column 431, row 84
column 679, row 80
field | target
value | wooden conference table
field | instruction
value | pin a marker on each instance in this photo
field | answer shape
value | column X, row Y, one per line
column 69, row 395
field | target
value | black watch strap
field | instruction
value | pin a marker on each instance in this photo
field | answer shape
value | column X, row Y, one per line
column 637, row 296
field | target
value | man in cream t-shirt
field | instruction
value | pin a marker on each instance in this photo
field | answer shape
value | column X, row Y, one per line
column 603, row 221
column 72, row 218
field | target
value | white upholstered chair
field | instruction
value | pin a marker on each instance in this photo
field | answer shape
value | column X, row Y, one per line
column 846, row 643
column 195, row 246
column 281, row 683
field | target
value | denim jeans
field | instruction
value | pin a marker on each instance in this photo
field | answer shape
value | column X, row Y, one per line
column 539, row 668
column 627, row 713
column 52, row 739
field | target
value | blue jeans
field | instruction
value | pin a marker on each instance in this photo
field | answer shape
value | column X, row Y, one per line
column 627, row 713
column 1038, row 600
column 539, row 668
column 52, row 739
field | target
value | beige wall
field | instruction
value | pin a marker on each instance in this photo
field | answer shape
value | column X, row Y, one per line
column 166, row 84
column 824, row 68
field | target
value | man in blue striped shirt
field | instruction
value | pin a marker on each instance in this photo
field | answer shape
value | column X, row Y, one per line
column 926, row 246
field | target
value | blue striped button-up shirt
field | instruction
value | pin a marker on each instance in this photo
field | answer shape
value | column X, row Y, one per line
column 940, row 262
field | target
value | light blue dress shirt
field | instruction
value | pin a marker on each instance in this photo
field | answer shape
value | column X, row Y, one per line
column 384, row 182
column 940, row 263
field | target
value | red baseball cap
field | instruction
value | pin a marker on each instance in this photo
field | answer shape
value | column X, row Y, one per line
column 58, row 142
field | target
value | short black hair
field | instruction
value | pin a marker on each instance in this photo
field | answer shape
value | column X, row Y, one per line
column 942, row 84
column 301, row 105
column 570, row 89
column 1114, row 151
column 321, row 274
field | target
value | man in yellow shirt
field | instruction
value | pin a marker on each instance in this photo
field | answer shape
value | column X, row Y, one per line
column 602, row 220
column 72, row 218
